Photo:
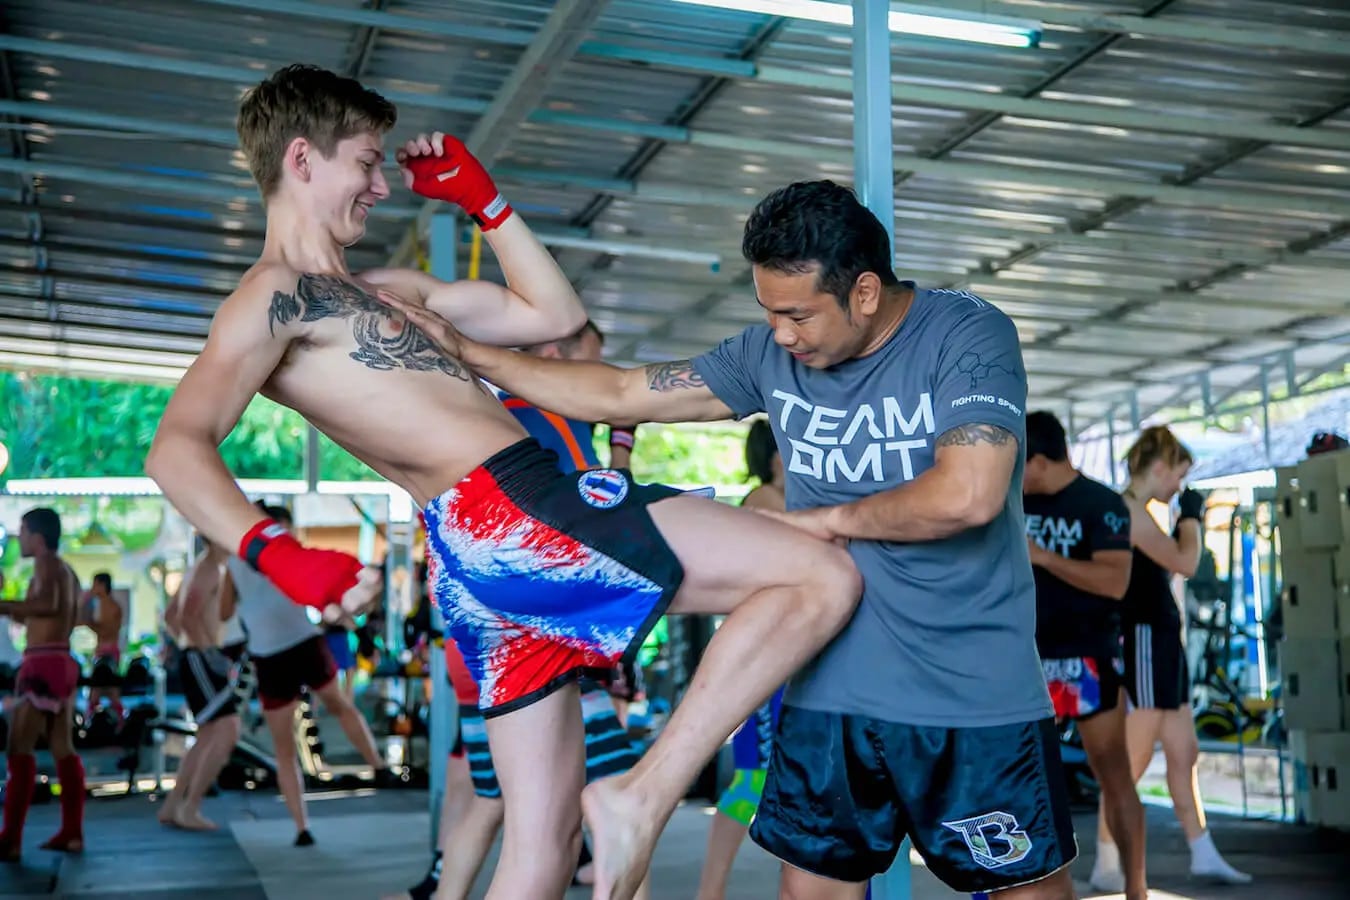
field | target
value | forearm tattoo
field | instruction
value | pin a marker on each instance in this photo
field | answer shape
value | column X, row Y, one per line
column 673, row 376
column 966, row 435
column 382, row 342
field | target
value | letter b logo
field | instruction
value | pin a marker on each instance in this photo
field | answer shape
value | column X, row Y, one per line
column 994, row 839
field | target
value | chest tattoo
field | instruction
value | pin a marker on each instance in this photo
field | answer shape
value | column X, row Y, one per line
column 383, row 341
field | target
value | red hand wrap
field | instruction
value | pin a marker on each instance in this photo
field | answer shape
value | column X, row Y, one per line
column 458, row 177
column 310, row 577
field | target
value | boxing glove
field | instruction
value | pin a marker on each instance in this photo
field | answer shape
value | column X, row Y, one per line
column 458, row 177
column 310, row 577
column 1192, row 504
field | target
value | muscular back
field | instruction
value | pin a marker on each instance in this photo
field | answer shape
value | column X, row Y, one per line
column 198, row 614
column 376, row 385
column 107, row 621
column 55, row 591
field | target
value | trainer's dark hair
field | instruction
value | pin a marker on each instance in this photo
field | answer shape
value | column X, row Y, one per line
column 103, row 578
column 760, row 449
column 820, row 226
column 46, row 522
column 280, row 513
column 1046, row 437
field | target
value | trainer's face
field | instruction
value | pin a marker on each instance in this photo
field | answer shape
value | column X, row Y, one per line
column 807, row 322
column 1033, row 475
column 348, row 185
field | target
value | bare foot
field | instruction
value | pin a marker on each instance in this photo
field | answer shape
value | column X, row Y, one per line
column 65, row 843
column 193, row 821
column 167, row 812
column 623, row 833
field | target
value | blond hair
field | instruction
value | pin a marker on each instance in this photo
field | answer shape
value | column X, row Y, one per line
column 308, row 102
column 1156, row 442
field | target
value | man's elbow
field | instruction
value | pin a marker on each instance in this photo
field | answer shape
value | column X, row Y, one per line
column 980, row 507
column 1120, row 585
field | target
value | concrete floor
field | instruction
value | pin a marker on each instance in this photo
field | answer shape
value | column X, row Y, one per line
column 371, row 843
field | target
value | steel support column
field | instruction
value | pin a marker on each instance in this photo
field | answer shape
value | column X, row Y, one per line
column 441, row 246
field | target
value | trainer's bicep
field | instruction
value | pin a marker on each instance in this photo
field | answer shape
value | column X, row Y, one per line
column 979, row 459
column 673, row 392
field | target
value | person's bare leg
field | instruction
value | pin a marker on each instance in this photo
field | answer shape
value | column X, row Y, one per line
column 1109, row 756
column 26, row 726
column 465, row 846
column 539, row 755
column 724, row 840
column 1182, row 751
column 778, row 617
column 219, row 739
column 1141, row 735
column 458, row 795
column 353, row 724
column 798, row 884
column 1058, row 886
column 182, row 778
column 280, row 723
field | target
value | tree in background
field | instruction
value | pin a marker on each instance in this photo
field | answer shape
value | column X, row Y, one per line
column 59, row 427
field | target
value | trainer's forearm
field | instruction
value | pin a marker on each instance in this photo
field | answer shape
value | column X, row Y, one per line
column 929, row 508
column 533, row 274
column 1105, row 579
column 589, row 391
column 194, row 479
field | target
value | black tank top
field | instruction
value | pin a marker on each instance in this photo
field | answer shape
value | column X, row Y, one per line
column 1149, row 600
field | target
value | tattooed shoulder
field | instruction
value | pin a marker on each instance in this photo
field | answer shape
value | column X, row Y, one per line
column 673, row 376
column 965, row 435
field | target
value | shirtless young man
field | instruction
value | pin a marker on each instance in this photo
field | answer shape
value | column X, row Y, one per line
column 45, row 688
column 103, row 615
column 209, row 678
column 306, row 332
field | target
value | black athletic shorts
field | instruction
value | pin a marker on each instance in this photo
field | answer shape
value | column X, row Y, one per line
column 986, row 807
column 1082, row 686
column 104, row 673
column 283, row 677
column 208, row 678
column 1155, row 668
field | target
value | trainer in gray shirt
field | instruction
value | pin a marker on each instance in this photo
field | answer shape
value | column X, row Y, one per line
column 946, row 631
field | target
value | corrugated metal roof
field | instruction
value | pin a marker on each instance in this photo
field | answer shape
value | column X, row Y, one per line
column 1150, row 202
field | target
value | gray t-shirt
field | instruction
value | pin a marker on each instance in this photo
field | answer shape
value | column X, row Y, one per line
column 273, row 621
column 946, row 631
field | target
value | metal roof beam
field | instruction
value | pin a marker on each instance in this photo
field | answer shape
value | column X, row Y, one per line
column 1206, row 32
column 1077, row 113
column 241, row 77
column 548, row 52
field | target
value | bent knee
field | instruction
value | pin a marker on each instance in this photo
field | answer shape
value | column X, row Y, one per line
column 836, row 585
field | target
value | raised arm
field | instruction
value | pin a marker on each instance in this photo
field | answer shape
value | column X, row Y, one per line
column 1180, row 554
column 538, row 303
column 245, row 344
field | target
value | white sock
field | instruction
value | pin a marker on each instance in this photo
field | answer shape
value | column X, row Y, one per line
column 1108, row 856
column 1206, row 860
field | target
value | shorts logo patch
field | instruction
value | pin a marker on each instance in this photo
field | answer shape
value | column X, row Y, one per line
column 602, row 488
column 994, row 839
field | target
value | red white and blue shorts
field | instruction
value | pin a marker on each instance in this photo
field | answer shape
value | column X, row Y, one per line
column 1082, row 686
column 544, row 577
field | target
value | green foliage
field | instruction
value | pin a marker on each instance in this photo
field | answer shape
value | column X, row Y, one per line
column 58, row 427
column 690, row 455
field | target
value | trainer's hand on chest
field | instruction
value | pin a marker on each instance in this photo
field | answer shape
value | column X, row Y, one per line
column 437, row 328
